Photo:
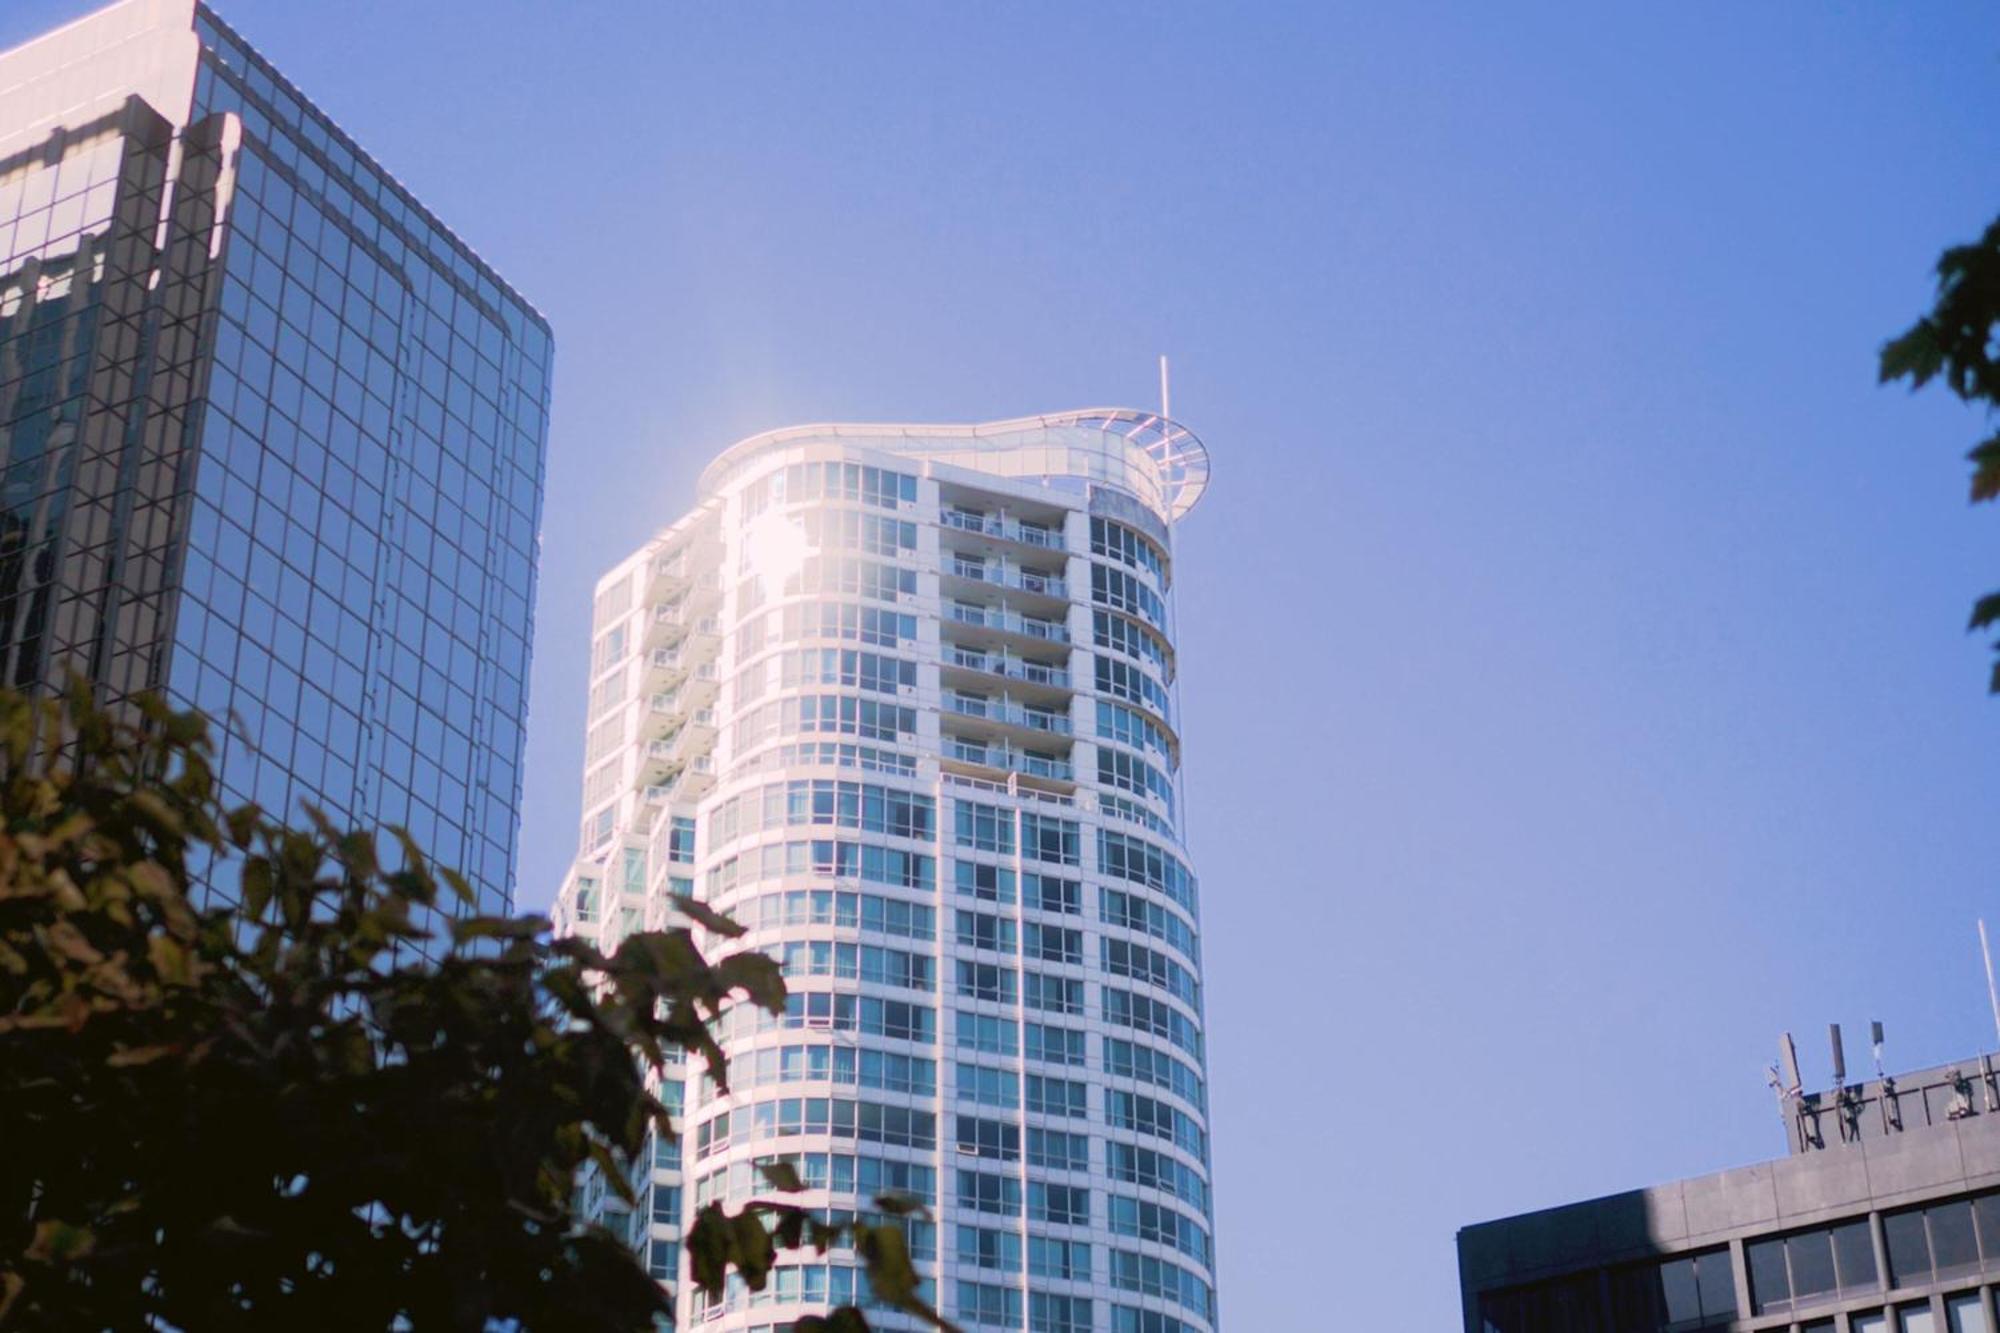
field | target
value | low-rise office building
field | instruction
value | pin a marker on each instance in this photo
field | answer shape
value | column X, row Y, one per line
column 1884, row 1217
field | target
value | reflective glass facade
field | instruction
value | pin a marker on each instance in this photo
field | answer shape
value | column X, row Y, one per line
column 901, row 700
column 273, row 438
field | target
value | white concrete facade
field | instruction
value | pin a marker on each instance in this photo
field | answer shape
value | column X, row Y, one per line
column 901, row 700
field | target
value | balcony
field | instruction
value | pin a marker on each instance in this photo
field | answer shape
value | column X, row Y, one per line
column 669, row 575
column 1004, row 528
column 1013, row 668
column 667, row 625
column 1006, row 622
column 664, row 669
column 1006, row 712
column 696, row 777
column 1003, row 757
column 1000, row 574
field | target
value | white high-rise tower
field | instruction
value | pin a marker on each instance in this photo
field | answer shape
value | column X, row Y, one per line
column 900, row 699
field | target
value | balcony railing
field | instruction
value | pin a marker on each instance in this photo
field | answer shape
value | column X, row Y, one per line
column 994, row 617
column 995, row 525
column 1004, row 710
column 1012, row 576
column 1014, row 668
column 1016, row 761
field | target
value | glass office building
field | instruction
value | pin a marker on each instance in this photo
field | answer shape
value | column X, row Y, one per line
column 901, row 700
column 272, row 436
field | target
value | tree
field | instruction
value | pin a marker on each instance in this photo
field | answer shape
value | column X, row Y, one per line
column 280, row 1114
column 1958, row 339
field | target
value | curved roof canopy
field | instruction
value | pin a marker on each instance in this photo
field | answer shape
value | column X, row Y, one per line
column 1176, row 458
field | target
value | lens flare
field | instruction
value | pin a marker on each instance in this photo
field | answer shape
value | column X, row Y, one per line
column 775, row 549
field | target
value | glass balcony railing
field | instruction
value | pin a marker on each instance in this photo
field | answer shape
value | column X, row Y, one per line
column 1012, row 576
column 996, row 525
column 1011, row 622
column 1014, row 668
column 1016, row 761
column 1005, row 710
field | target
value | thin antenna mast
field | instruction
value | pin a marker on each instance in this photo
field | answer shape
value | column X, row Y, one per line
column 1992, row 995
column 1166, row 398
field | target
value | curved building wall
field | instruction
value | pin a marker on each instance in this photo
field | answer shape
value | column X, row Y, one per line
column 936, row 774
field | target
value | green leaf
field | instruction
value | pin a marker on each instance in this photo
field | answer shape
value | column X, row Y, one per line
column 886, row 1253
column 498, row 928
column 707, row 917
column 707, row 1246
column 1915, row 355
column 756, row 975
column 1985, row 611
column 782, row 1177
column 754, row 1250
column 1986, row 470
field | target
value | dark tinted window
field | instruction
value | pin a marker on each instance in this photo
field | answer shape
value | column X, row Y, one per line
column 1811, row 1254
column 1682, row 1296
column 1909, row 1251
column 1954, row 1249
column 1770, row 1289
column 1854, row 1256
column 1716, row 1281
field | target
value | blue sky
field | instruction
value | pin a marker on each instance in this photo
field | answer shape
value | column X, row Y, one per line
column 1574, row 691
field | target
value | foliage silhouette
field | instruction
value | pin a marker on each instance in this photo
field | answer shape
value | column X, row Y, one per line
column 286, row 1114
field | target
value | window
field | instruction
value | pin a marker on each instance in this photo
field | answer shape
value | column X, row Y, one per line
column 1966, row 1313
column 1058, row 1149
column 1689, row 1292
column 1141, row 862
column 1057, row 1096
column 1129, row 911
column 987, row 981
column 1046, row 894
column 1126, row 546
column 981, row 1193
column 1068, row 1205
column 1065, row 1259
column 1149, row 1276
column 1050, row 1313
column 1122, row 634
column 984, row 1303
column 1125, row 959
column 1047, row 838
column 1056, row 995
column 1125, row 1319
column 981, row 930
column 985, row 828
column 1941, row 1241
column 1054, row 944
column 988, row 1087
column 989, row 1138
column 988, row 1033
column 1122, row 592
column 1130, row 682
column 1807, row 1267
column 984, row 1247
column 1143, row 1219
column 1053, row 1045
column 1116, row 768
column 1128, row 1059
column 990, row 884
